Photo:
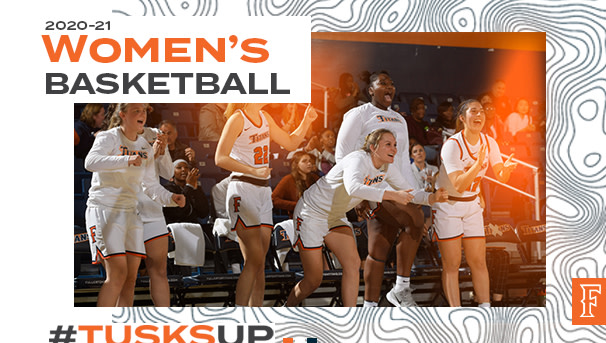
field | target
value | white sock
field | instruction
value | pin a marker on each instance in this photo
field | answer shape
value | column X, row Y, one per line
column 370, row 304
column 402, row 282
column 484, row 305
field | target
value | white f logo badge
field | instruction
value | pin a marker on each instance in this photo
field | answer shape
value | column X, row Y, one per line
column 589, row 298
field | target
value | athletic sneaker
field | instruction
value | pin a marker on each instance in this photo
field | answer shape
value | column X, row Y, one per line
column 402, row 298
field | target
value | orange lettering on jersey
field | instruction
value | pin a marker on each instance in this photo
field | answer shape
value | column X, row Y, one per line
column 124, row 151
column 371, row 181
column 258, row 137
column 383, row 119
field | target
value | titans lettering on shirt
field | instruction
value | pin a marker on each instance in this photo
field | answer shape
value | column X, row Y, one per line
column 371, row 181
column 383, row 119
column 258, row 137
column 126, row 152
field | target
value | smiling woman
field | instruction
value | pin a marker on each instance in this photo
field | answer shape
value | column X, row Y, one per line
column 320, row 215
column 122, row 163
column 459, row 222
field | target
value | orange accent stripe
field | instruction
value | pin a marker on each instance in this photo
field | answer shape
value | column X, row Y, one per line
column 475, row 237
column 301, row 246
column 136, row 254
column 239, row 220
column 251, row 121
column 459, row 144
column 158, row 237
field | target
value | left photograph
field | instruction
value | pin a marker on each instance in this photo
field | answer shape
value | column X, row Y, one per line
column 189, row 204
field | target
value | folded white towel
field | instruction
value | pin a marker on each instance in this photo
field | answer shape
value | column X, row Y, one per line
column 222, row 227
column 190, row 245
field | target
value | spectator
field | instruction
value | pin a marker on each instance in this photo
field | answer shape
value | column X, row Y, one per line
column 291, row 118
column 445, row 123
column 211, row 121
column 494, row 125
column 520, row 120
column 291, row 187
column 345, row 98
column 177, row 149
column 499, row 99
column 323, row 148
column 86, row 128
column 185, row 181
column 425, row 176
column 417, row 126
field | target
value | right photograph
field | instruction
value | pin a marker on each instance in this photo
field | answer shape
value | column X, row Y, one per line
column 473, row 109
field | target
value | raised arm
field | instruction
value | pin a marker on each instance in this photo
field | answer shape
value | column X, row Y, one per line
column 291, row 141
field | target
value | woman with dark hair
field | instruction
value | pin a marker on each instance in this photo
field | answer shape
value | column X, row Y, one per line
column 520, row 119
column 244, row 149
column 320, row 215
column 291, row 187
column 394, row 221
column 86, row 128
column 459, row 222
column 445, row 123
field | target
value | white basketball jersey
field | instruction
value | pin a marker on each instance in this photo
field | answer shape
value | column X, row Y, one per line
column 458, row 155
column 252, row 145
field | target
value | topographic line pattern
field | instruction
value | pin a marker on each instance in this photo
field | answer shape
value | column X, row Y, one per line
column 576, row 169
column 167, row 8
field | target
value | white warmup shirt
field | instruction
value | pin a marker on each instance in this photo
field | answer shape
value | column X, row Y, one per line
column 150, row 210
column 364, row 119
column 352, row 180
column 115, row 184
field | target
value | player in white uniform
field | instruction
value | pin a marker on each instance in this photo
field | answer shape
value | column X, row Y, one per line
column 465, row 158
column 122, row 163
column 244, row 149
column 320, row 215
column 383, row 229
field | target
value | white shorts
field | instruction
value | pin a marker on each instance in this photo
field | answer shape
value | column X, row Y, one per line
column 114, row 232
column 154, row 230
column 249, row 205
column 458, row 218
column 311, row 228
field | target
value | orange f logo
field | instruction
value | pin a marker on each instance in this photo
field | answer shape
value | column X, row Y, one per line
column 590, row 299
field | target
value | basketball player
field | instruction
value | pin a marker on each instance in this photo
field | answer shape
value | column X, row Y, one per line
column 122, row 163
column 320, row 215
column 459, row 222
column 244, row 149
column 404, row 222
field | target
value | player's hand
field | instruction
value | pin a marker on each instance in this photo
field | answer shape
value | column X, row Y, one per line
column 403, row 197
column 363, row 210
column 262, row 173
column 179, row 199
column 192, row 177
column 482, row 154
column 441, row 195
column 310, row 113
column 134, row 160
column 159, row 145
column 509, row 166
